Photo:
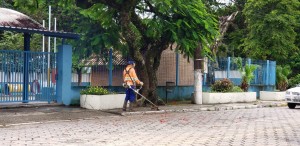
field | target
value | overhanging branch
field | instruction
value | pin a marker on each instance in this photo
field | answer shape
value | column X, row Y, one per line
column 155, row 11
column 111, row 3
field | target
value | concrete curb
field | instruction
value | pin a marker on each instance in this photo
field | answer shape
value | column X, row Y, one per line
column 29, row 105
column 215, row 108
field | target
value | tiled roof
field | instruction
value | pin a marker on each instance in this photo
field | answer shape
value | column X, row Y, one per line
column 12, row 20
column 98, row 60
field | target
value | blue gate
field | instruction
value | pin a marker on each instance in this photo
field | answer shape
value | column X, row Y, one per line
column 31, row 81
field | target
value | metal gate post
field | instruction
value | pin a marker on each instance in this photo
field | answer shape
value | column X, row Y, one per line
column 26, row 65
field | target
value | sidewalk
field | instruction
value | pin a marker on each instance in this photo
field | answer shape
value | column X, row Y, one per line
column 16, row 114
column 188, row 107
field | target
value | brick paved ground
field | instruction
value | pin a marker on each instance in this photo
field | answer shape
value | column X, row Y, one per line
column 261, row 126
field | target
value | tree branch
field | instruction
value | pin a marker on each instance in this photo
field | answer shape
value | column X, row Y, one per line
column 136, row 20
column 225, row 22
column 155, row 11
column 142, row 9
column 111, row 3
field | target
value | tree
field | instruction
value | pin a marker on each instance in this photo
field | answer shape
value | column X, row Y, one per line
column 232, row 27
column 233, row 38
column 271, row 25
column 148, row 27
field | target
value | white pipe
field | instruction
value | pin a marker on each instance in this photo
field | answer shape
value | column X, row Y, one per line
column 43, row 38
column 43, row 47
column 49, row 27
column 55, row 37
column 49, row 46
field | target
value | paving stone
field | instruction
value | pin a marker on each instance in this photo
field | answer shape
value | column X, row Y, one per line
column 253, row 126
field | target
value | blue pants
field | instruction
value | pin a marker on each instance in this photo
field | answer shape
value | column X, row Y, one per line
column 130, row 95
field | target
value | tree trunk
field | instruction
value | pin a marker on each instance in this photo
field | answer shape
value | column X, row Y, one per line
column 79, row 73
column 149, row 76
column 198, row 61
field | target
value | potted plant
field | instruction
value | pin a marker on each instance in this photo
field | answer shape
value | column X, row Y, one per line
column 99, row 98
column 223, row 91
column 281, row 84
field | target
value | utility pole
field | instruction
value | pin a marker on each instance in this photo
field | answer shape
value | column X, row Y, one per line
column 198, row 61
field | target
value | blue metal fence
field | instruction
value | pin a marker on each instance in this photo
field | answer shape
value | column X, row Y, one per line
column 37, row 76
column 264, row 75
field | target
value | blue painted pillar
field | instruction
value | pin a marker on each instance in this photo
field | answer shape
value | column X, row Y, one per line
column 273, row 73
column 110, row 62
column 26, row 66
column 267, row 72
column 64, row 65
column 228, row 67
column 177, row 69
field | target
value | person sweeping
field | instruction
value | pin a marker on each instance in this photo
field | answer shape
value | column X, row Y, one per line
column 130, row 80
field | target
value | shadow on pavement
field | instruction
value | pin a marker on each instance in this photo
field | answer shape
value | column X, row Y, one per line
column 15, row 115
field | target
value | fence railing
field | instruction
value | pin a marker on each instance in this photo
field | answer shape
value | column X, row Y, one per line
column 38, row 71
column 265, row 74
column 176, row 68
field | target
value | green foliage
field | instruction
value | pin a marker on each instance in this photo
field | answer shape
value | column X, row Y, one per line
column 94, row 90
column 239, row 62
column 6, row 3
column 294, row 81
column 175, row 21
column 282, row 77
column 236, row 89
column 11, row 41
column 194, row 24
column 248, row 72
column 271, row 26
column 15, row 41
column 224, row 85
column 247, row 76
column 294, row 63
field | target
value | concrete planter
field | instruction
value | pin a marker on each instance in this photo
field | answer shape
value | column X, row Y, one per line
column 272, row 95
column 101, row 102
column 233, row 97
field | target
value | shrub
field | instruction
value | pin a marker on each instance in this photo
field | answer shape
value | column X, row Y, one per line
column 237, row 89
column 94, row 90
column 224, row 85
column 281, row 77
column 294, row 81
